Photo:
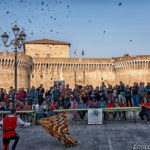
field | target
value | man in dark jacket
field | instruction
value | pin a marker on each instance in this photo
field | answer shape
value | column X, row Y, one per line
column 41, row 91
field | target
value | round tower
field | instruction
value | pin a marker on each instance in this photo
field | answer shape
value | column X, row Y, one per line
column 7, row 66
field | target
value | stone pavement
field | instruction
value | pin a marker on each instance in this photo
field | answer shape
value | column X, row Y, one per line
column 112, row 135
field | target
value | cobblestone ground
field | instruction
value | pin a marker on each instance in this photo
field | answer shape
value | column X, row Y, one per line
column 112, row 135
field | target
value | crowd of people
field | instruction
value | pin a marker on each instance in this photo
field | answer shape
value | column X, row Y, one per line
column 61, row 96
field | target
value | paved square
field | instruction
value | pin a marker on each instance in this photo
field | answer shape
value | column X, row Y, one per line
column 112, row 135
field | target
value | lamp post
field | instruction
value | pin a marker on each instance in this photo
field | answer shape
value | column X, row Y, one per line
column 17, row 42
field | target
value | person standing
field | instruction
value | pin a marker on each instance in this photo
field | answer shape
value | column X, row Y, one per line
column 9, row 124
column 141, row 91
column 148, row 91
column 74, row 105
column 135, row 95
column 33, row 95
column 2, row 95
column 128, row 96
column 56, row 95
column 121, row 89
column 41, row 91
column 82, row 105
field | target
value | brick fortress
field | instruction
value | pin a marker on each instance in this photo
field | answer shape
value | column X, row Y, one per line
column 45, row 61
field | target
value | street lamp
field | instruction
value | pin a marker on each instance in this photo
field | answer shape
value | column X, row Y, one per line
column 17, row 42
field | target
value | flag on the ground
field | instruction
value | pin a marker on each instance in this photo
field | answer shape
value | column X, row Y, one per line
column 76, row 52
column 57, row 127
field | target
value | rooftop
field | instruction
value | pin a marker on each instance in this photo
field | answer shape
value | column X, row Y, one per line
column 46, row 41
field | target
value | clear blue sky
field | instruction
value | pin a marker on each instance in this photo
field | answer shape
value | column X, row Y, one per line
column 101, row 28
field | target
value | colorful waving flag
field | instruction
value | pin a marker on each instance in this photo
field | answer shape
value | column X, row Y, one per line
column 76, row 52
column 57, row 127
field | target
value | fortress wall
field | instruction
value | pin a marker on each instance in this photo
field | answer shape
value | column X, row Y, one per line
column 47, row 74
column 58, row 51
column 96, row 78
column 104, row 73
column 71, row 73
column 131, row 76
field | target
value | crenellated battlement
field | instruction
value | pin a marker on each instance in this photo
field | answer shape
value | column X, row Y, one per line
column 128, row 62
column 71, row 64
column 130, row 58
column 7, row 60
column 91, row 64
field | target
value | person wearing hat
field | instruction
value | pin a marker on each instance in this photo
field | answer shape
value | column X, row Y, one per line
column 9, row 124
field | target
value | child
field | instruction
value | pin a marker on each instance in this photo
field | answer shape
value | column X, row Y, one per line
column 102, row 104
column 81, row 106
column 11, row 105
column 44, row 108
column 117, row 114
column 74, row 105
column 35, row 106
column 109, row 105
column 6, row 100
column 93, row 103
column 123, row 104
column 53, row 106
column 26, row 107
column 66, row 102
column 18, row 106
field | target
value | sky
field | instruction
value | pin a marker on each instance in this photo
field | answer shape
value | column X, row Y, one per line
column 100, row 28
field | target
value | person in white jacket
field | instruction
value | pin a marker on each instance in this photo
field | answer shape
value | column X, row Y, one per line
column 9, row 124
column 35, row 106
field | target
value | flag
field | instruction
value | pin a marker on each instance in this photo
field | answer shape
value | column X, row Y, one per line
column 57, row 127
column 76, row 52
column 82, row 53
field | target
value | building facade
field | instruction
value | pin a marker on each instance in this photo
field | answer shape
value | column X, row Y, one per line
column 46, row 61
